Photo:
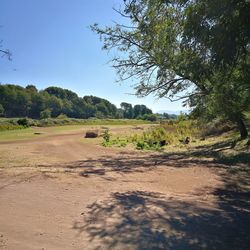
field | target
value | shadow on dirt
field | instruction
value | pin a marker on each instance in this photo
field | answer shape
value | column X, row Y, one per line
column 206, row 156
column 146, row 220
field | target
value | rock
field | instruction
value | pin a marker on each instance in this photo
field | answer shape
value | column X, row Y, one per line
column 91, row 134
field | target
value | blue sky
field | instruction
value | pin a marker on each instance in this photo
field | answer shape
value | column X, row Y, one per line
column 52, row 45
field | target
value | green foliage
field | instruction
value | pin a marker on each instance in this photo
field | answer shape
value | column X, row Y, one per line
column 155, row 138
column 106, row 136
column 182, row 117
column 172, row 132
column 127, row 110
column 62, row 116
column 141, row 111
column 23, row 122
column 45, row 114
column 150, row 140
column 148, row 117
column 17, row 123
column 108, row 142
column 1, row 110
column 16, row 101
column 197, row 51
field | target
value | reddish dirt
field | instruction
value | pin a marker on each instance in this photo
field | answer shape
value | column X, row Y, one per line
column 63, row 192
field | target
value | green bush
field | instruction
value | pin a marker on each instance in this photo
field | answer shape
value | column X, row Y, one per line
column 150, row 140
column 106, row 136
column 149, row 117
column 62, row 116
column 23, row 122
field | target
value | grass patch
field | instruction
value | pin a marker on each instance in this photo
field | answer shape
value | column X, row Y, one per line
column 17, row 134
column 20, row 123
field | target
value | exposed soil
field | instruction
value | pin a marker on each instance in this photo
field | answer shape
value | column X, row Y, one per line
column 65, row 192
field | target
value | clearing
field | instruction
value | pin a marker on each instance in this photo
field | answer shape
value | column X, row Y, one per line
column 59, row 190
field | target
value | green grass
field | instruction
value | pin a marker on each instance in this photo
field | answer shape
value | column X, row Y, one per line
column 29, row 133
column 19, row 134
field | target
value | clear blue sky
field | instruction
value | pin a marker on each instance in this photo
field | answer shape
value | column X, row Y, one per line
column 53, row 46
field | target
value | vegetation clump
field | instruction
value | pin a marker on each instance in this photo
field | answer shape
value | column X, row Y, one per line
column 177, row 133
column 108, row 141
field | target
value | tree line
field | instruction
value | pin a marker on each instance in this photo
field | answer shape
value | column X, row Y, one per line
column 17, row 101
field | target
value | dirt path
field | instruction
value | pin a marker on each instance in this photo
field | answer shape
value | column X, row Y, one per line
column 63, row 192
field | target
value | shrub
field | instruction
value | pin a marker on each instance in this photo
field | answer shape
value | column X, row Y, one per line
column 153, row 139
column 106, row 136
column 23, row 122
column 149, row 117
column 62, row 116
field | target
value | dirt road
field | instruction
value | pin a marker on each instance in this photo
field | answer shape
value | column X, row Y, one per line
column 65, row 192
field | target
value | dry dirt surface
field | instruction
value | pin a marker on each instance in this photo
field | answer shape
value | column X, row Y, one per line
column 65, row 192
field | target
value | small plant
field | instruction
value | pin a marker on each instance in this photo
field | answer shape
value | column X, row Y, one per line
column 106, row 136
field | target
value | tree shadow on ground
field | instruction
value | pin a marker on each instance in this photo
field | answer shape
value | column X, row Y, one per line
column 207, row 156
column 147, row 220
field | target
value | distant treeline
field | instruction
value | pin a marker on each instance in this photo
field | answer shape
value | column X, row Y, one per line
column 17, row 101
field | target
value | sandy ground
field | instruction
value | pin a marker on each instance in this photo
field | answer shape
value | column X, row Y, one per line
column 65, row 192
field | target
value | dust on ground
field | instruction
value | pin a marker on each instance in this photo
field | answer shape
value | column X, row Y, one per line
column 62, row 191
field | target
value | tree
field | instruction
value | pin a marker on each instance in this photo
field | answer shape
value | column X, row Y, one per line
column 45, row 114
column 185, row 49
column 127, row 110
column 1, row 110
column 141, row 110
column 31, row 88
column 18, row 101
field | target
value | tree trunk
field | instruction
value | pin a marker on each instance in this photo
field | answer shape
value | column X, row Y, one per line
column 242, row 129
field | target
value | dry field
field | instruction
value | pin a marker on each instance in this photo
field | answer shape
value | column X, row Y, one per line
column 61, row 191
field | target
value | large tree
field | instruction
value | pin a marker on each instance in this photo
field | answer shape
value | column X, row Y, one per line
column 193, row 50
